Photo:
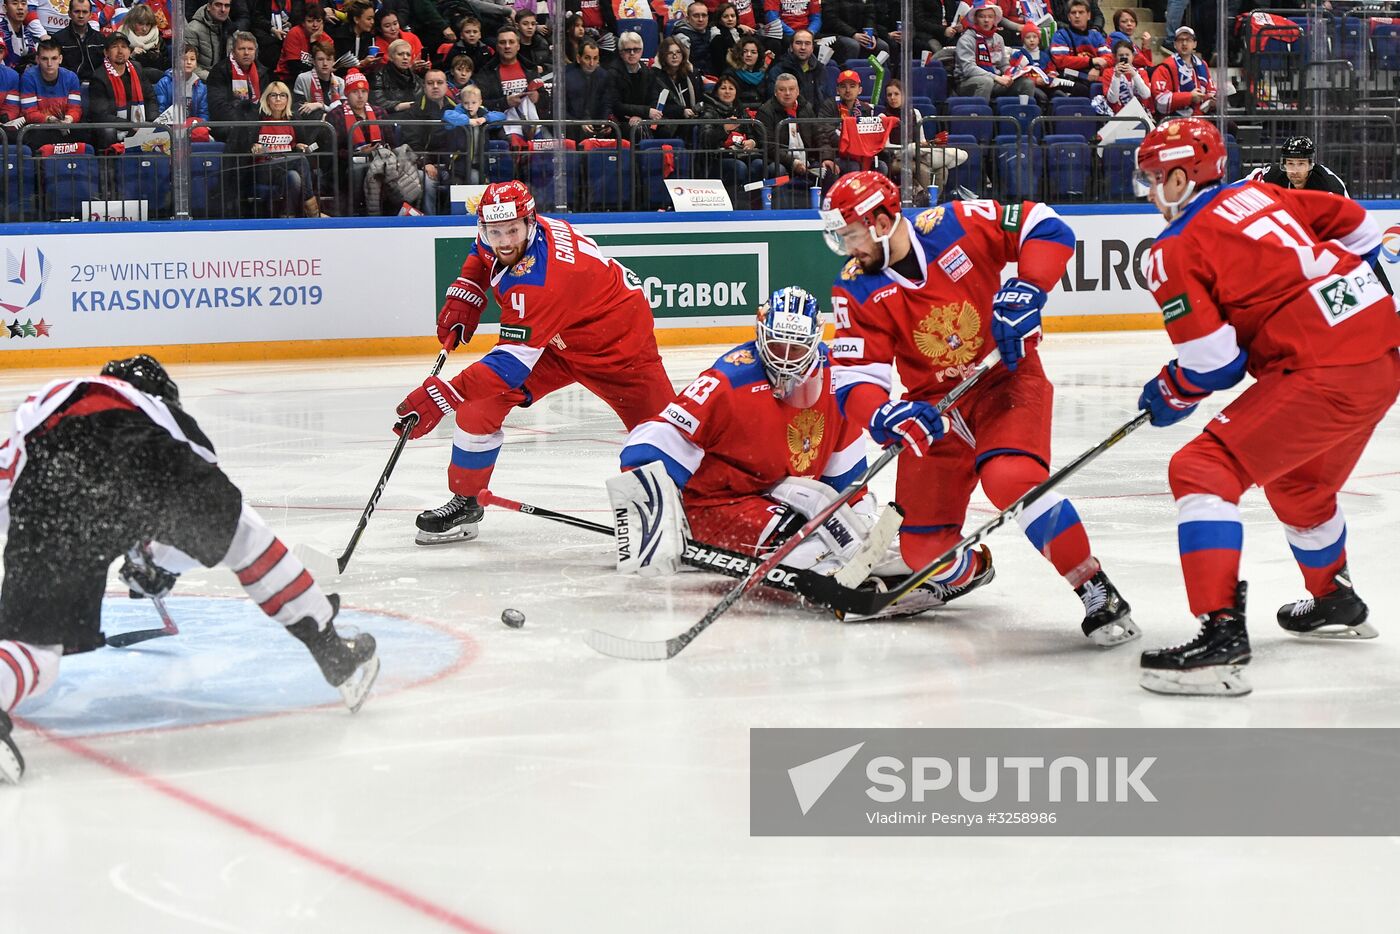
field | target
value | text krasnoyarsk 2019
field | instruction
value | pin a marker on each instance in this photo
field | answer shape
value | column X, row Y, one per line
column 1074, row 782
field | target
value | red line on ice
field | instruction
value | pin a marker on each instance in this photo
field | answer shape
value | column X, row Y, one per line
column 268, row 835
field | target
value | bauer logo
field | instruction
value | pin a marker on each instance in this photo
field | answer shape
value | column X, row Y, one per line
column 1071, row 782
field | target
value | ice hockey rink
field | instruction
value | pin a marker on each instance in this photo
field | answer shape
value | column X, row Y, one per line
column 514, row 781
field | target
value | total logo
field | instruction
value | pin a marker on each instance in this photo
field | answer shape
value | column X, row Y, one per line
column 1390, row 244
column 26, row 274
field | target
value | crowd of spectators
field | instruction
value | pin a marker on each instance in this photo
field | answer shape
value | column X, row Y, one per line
column 427, row 85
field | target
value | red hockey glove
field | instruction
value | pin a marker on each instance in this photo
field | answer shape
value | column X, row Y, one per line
column 461, row 312
column 425, row 406
column 1170, row 396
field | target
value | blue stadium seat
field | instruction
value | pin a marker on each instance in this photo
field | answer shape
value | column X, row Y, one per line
column 1351, row 38
column 651, row 158
column 500, row 165
column 1023, row 114
column 1068, row 159
column 1064, row 110
column 609, row 174
column 980, row 126
column 828, row 80
column 924, row 104
column 21, row 183
column 1234, row 159
column 1385, row 40
column 1119, row 163
column 206, row 179
column 145, row 176
column 969, row 174
column 867, row 74
column 1018, row 168
column 545, row 164
column 929, row 81
column 68, row 181
column 647, row 29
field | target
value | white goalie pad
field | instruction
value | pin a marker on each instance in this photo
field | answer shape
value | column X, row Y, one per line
column 649, row 525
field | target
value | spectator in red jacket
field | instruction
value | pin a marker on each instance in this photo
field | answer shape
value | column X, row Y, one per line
column 1182, row 85
column 301, row 39
column 1125, row 82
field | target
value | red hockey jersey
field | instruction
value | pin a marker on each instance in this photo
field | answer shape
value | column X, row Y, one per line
column 726, row 436
column 1272, row 272
column 937, row 329
column 563, row 294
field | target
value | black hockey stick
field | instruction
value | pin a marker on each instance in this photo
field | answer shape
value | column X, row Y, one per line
column 405, row 429
column 865, row 603
column 697, row 554
column 168, row 627
column 637, row 650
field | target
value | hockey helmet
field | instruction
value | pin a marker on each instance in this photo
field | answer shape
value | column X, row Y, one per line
column 502, row 202
column 1297, row 147
column 789, row 328
column 1191, row 144
column 854, row 199
column 145, row 373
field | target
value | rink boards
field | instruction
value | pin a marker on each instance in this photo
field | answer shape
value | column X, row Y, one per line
column 243, row 290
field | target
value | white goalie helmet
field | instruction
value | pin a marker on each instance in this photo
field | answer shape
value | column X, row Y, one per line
column 789, row 328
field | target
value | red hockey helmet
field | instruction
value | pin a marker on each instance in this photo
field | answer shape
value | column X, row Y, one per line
column 853, row 200
column 1191, row 144
column 503, row 203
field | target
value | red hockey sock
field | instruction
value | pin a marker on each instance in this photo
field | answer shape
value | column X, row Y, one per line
column 1208, row 483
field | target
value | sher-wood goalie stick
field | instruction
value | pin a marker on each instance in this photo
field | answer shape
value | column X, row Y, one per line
column 638, row 650
column 405, row 429
column 865, row 603
column 697, row 554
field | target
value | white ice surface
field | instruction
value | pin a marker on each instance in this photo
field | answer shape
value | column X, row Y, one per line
column 542, row 788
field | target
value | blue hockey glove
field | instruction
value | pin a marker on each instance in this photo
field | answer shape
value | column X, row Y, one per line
column 1016, row 319
column 1169, row 396
column 917, row 424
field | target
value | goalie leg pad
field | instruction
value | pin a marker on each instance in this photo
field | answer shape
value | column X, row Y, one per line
column 838, row 540
column 649, row 525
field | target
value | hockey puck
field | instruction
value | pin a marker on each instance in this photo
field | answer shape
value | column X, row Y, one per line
column 513, row 618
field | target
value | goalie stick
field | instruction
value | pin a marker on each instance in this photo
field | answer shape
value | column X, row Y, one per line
column 697, row 554
column 639, row 650
column 405, row 428
column 168, row 627
column 867, row 602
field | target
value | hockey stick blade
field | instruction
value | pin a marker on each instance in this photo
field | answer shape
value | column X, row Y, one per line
column 321, row 565
column 405, row 428
column 635, row 650
column 123, row 639
column 168, row 627
column 697, row 554
column 866, row 603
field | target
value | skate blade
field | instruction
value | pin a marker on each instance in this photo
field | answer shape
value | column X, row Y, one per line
column 1116, row 633
column 911, row 605
column 354, row 689
column 11, row 765
column 463, row 533
column 1210, row 681
column 1362, row 630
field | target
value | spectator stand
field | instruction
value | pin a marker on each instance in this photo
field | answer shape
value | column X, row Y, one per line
column 49, row 176
column 227, row 183
column 658, row 158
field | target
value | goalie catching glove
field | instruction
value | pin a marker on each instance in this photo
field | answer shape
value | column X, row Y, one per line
column 461, row 313
column 424, row 407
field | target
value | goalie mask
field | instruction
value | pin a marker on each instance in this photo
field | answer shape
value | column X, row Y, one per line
column 789, row 328
column 146, row 374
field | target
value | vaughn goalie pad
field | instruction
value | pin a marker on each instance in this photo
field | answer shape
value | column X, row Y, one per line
column 649, row 525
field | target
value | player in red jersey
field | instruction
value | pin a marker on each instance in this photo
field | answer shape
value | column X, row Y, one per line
column 1311, row 322
column 927, row 295
column 569, row 315
column 756, row 445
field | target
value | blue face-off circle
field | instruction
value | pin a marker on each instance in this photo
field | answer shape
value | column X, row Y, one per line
column 228, row 662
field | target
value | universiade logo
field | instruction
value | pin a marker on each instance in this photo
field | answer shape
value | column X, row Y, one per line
column 26, row 274
column 1390, row 244
column 979, row 780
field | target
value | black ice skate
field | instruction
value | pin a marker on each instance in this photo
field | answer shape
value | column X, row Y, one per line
column 454, row 521
column 1338, row 615
column 1211, row 663
column 11, row 762
column 1106, row 613
column 348, row 662
column 929, row 595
